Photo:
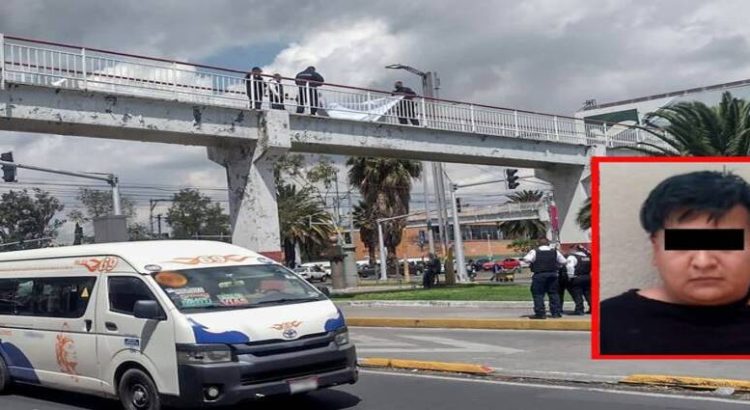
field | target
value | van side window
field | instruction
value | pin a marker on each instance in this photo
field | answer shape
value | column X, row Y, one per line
column 125, row 291
column 60, row 297
column 46, row 297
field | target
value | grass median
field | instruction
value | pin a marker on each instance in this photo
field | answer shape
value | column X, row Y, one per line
column 488, row 293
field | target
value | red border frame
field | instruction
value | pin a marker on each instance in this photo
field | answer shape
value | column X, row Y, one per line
column 595, row 170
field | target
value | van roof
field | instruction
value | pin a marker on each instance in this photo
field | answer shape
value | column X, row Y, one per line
column 169, row 254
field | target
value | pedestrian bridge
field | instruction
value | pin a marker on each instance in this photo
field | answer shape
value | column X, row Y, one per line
column 54, row 88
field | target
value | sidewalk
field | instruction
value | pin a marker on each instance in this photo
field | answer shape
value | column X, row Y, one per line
column 456, row 314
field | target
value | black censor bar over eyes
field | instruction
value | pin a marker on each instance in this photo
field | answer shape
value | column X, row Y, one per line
column 704, row 239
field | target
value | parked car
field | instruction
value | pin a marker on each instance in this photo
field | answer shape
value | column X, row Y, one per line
column 367, row 270
column 479, row 264
column 311, row 273
column 510, row 264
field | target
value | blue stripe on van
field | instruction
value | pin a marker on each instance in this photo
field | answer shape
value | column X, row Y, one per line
column 335, row 323
column 202, row 335
column 19, row 365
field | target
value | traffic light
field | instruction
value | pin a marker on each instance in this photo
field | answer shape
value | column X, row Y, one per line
column 9, row 172
column 458, row 204
column 511, row 179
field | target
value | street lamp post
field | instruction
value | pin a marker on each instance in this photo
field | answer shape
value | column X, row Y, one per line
column 430, row 83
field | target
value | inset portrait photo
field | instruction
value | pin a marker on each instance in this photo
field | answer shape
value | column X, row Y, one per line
column 671, row 275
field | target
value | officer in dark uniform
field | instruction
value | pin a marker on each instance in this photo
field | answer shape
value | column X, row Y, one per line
column 580, row 286
column 431, row 271
column 545, row 262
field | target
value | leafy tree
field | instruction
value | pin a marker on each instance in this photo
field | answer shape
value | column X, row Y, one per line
column 523, row 245
column 24, row 217
column 301, row 194
column 98, row 203
column 385, row 184
column 193, row 213
column 524, row 228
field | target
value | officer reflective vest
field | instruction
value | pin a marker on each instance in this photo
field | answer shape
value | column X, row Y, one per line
column 546, row 261
column 583, row 265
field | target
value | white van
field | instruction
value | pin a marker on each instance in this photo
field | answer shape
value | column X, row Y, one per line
column 193, row 323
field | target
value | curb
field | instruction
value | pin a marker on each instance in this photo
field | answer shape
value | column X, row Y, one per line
column 701, row 383
column 496, row 324
column 441, row 303
column 426, row 365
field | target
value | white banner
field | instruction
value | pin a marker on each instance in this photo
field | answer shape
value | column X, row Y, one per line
column 370, row 110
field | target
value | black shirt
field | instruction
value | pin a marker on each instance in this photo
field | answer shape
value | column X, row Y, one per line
column 633, row 324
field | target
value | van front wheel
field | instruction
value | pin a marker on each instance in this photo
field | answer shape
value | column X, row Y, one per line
column 4, row 376
column 138, row 391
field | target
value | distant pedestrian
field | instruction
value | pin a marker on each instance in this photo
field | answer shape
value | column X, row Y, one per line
column 406, row 109
column 276, row 92
column 255, row 87
column 545, row 262
column 496, row 269
column 308, row 82
column 431, row 271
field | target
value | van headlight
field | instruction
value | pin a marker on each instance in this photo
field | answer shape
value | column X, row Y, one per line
column 203, row 354
column 341, row 337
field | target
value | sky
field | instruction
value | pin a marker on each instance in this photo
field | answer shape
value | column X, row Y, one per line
column 541, row 55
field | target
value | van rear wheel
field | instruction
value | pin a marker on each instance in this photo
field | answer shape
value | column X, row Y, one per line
column 138, row 392
column 4, row 377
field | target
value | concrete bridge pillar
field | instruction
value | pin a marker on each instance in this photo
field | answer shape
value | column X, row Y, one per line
column 252, row 190
column 571, row 186
column 569, row 193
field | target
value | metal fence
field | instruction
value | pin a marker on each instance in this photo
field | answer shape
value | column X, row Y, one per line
column 61, row 66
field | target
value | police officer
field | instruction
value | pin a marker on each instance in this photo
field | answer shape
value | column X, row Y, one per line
column 545, row 262
column 432, row 269
column 579, row 269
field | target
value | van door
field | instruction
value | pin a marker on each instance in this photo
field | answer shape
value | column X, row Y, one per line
column 61, row 340
column 124, row 338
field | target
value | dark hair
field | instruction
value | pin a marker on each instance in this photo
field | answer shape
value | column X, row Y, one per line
column 702, row 191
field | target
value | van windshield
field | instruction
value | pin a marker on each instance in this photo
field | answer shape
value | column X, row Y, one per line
column 235, row 287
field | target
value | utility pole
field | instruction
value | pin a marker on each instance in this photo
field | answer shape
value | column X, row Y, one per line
column 430, row 87
column 151, row 205
column 458, row 240
column 158, row 218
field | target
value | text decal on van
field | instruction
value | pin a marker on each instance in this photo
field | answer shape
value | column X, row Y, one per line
column 101, row 265
column 209, row 259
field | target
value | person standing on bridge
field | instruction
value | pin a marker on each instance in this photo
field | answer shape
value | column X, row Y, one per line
column 255, row 87
column 406, row 109
column 545, row 262
column 308, row 82
column 276, row 92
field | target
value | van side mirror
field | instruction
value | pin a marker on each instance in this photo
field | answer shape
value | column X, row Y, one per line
column 148, row 309
column 325, row 290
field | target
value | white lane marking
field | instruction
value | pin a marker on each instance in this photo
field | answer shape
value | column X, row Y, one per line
column 555, row 387
column 377, row 341
column 372, row 344
column 585, row 333
column 465, row 345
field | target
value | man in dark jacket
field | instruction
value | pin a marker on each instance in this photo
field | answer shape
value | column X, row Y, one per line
column 406, row 109
column 308, row 82
column 255, row 87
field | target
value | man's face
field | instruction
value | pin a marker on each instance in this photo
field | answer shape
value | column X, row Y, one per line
column 700, row 277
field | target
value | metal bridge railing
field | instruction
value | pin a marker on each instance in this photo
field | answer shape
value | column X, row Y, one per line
column 48, row 64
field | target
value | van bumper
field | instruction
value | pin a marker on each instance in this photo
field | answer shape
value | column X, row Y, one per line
column 253, row 378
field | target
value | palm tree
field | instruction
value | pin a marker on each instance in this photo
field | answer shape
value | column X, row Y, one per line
column 524, row 228
column 303, row 221
column 364, row 219
column 695, row 129
column 583, row 219
column 385, row 184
